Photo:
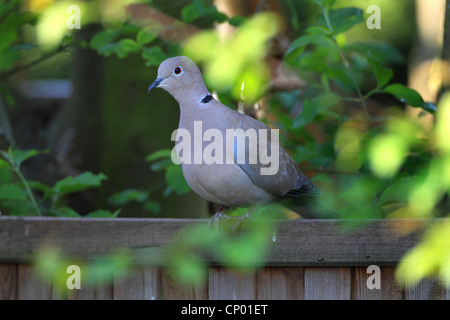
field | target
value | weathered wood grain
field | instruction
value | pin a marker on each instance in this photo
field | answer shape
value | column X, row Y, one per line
column 427, row 289
column 389, row 288
column 91, row 292
column 32, row 287
column 280, row 283
column 327, row 283
column 298, row 242
column 174, row 290
column 8, row 281
column 141, row 284
column 226, row 284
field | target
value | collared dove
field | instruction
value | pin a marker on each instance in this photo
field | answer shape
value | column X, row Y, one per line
column 227, row 183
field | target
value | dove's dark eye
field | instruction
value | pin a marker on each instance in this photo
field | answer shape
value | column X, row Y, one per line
column 177, row 70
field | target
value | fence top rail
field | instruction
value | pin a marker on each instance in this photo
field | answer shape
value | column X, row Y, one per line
column 299, row 242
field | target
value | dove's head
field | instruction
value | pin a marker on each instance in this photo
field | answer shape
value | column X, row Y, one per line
column 180, row 77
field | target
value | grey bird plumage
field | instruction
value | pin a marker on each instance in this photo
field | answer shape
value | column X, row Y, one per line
column 228, row 184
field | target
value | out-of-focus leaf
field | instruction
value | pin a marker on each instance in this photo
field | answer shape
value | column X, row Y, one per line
column 65, row 212
column 144, row 37
column 81, row 182
column 175, row 179
column 382, row 74
column 16, row 156
column 127, row 196
column 160, row 154
column 299, row 44
column 315, row 106
column 103, row 214
column 386, row 153
column 398, row 190
column 404, row 94
column 342, row 19
column 125, row 47
column 12, row 192
column 325, row 3
column 103, row 269
column 237, row 21
column 379, row 51
column 108, row 49
column 8, row 58
column 152, row 206
column 153, row 56
column 442, row 131
column 188, row 268
column 103, row 38
column 40, row 186
column 430, row 107
column 429, row 258
column 199, row 9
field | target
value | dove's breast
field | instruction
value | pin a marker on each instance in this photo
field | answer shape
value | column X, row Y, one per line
column 225, row 184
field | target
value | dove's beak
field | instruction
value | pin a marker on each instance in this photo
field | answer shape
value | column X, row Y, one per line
column 155, row 84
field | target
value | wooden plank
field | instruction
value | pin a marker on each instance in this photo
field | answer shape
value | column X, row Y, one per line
column 389, row 288
column 280, row 283
column 91, row 292
column 173, row 290
column 327, row 283
column 8, row 281
column 84, row 238
column 32, row 287
column 226, row 284
column 427, row 289
column 298, row 242
column 143, row 284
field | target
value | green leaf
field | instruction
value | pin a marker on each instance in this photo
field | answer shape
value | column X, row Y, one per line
column 144, row 37
column 175, row 179
column 153, row 56
column 103, row 38
column 398, row 190
column 314, row 106
column 103, row 214
column 325, row 3
column 379, row 51
column 81, row 182
column 302, row 42
column 430, row 107
column 8, row 58
column 4, row 164
column 163, row 164
column 382, row 74
column 9, row 35
column 16, row 156
column 126, row 46
column 127, row 196
column 108, row 49
column 237, row 21
column 152, row 206
column 317, row 30
column 404, row 94
column 12, row 192
column 200, row 9
column 65, row 212
column 160, row 154
column 40, row 186
column 342, row 19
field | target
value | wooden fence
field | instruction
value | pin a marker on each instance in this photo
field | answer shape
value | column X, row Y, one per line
column 310, row 259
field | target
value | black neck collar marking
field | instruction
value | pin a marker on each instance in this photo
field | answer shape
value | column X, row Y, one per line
column 207, row 99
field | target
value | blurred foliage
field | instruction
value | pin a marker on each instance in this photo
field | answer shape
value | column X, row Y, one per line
column 17, row 194
column 236, row 64
column 369, row 162
column 51, row 264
